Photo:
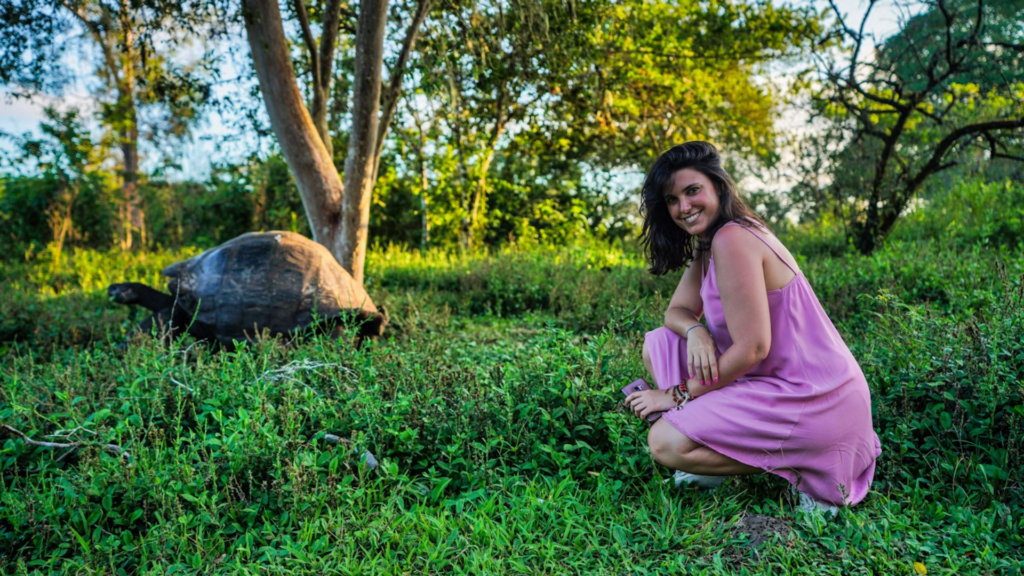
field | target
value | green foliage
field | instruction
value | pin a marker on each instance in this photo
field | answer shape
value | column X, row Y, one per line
column 59, row 191
column 971, row 211
column 516, row 107
column 663, row 73
column 237, row 198
column 949, row 403
column 943, row 91
column 54, row 301
column 492, row 407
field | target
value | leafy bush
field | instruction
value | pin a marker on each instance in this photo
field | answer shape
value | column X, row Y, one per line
column 972, row 211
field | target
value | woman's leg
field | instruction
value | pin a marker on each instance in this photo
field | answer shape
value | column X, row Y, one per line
column 671, row 448
column 647, row 364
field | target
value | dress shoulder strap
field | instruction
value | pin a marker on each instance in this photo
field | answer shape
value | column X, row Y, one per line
column 761, row 238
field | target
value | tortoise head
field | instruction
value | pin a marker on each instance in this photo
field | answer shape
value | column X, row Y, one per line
column 373, row 324
column 135, row 293
column 124, row 293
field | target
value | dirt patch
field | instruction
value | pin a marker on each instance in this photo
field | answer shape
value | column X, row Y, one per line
column 761, row 528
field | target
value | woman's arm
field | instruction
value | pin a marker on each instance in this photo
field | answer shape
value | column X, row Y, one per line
column 685, row 307
column 739, row 271
column 684, row 312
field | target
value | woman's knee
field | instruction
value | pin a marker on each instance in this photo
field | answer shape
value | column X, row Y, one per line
column 658, row 334
column 668, row 446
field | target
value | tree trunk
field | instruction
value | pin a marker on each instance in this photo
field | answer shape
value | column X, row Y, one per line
column 338, row 213
column 394, row 88
column 479, row 194
column 424, row 221
column 359, row 163
column 129, row 132
column 132, row 213
column 310, row 162
column 479, row 200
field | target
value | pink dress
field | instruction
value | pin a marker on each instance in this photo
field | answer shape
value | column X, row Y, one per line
column 803, row 413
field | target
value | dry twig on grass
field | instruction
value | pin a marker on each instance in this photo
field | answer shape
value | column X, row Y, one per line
column 180, row 385
column 113, row 448
column 286, row 372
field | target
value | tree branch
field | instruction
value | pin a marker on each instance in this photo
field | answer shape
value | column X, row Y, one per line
column 1006, row 45
column 328, row 42
column 360, row 162
column 394, row 88
column 97, row 33
column 307, row 37
column 950, row 140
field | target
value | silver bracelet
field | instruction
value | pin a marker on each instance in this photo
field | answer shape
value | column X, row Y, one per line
column 687, row 333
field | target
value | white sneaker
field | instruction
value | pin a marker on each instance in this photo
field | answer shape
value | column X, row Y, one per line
column 705, row 482
column 808, row 504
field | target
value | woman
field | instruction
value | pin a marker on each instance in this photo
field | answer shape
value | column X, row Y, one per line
column 768, row 384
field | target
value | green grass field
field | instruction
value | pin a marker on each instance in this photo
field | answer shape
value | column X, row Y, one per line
column 492, row 408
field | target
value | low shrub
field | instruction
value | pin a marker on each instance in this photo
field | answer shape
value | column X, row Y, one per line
column 972, row 211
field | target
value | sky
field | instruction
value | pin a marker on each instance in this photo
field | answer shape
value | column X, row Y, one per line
column 216, row 140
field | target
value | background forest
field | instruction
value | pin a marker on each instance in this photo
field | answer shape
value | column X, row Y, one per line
column 518, row 121
column 498, row 147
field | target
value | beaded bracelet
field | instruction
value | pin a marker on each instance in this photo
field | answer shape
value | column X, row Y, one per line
column 680, row 395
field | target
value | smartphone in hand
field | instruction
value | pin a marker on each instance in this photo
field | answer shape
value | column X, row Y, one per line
column 636, row 386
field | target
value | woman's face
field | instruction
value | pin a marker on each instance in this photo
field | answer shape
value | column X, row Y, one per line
column 692, row 201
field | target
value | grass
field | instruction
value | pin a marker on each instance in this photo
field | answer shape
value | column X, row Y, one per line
column 492, row 409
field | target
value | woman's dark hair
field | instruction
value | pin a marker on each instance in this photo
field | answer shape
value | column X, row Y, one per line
column 667, row 246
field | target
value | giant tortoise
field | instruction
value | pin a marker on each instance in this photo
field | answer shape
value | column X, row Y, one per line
column 279, row 282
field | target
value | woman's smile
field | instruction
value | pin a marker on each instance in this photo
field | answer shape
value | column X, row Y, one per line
column 690, row 219
column 692, row 201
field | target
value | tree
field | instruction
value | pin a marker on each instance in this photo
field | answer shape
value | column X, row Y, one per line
column 949, row 82
column 659, row 73
column 135, row 41
column 338, row 212
column 594, row 84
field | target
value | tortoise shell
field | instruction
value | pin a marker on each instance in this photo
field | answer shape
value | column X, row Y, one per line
column 280, row 281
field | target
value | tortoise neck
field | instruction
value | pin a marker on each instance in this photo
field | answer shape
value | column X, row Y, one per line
column 150, row 298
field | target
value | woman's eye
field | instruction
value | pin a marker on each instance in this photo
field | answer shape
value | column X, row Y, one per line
column 693, row 190
column 670, row 200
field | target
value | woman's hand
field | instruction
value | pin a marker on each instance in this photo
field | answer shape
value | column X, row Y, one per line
column 696, row 389
column 646, row 402
column 701, row 361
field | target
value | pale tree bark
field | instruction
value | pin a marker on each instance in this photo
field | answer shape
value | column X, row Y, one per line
column 338, row 213
column 480, row 190
column 129, row 133
column 315, row 175
column 321, row 63
column 362, row 143
column 394, row 89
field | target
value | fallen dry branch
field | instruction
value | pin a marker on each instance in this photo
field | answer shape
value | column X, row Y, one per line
column 286, row 372
column 113, row 448
column 180, row 385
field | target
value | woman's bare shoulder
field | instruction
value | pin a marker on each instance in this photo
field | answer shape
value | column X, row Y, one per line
column 730, row 239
